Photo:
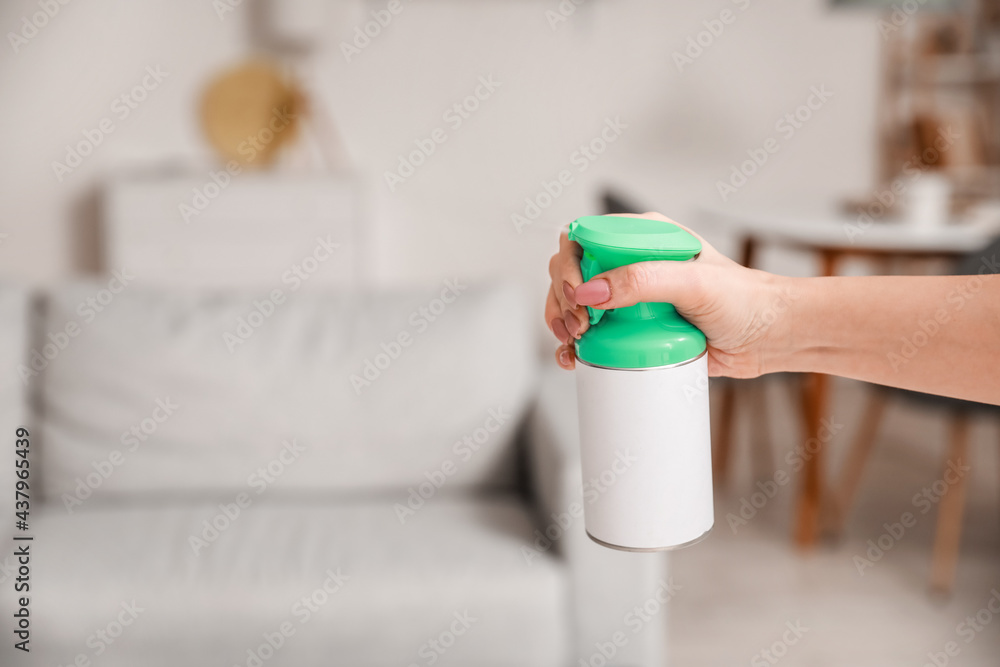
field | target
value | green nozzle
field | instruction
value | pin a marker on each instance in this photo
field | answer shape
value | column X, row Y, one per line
column 646, row 335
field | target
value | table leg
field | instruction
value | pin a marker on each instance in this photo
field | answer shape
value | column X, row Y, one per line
column 816, row 405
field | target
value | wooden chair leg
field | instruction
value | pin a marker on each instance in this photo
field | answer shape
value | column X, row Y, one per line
column 948, row 534
column 812, row 492
column 762, row 449
column 724, row 434
column 857, row 458
column 799, row 392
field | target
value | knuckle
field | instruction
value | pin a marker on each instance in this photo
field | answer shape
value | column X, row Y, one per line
column 554, row 265
column 570, row 267
column 694, row 284
column 637, row 278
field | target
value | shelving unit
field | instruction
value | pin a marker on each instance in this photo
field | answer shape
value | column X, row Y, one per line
column 939, row 106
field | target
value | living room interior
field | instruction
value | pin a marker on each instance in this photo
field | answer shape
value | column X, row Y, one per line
column 272, row 277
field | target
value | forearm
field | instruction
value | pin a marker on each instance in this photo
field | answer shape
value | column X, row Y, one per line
column 937, row 334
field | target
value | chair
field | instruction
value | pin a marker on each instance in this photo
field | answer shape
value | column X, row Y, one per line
column 949, row 520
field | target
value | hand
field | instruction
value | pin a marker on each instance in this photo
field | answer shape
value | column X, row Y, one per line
column 740, row 310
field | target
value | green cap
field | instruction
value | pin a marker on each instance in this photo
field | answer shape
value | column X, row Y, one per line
column 646, row 335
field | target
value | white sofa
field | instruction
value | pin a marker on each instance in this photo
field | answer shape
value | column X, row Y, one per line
column 314, row 558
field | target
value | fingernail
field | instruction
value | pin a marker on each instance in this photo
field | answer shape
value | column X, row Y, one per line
column 593, row 293
column 568, row 293
column 572, row 324
column 559, row 329
column 564, row 357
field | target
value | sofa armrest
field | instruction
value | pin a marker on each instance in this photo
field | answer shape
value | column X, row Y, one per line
column 607, row 585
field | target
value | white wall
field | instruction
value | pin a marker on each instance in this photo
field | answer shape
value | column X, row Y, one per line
column 611, row 58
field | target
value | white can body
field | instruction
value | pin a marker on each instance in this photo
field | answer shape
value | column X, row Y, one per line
column 647, row 455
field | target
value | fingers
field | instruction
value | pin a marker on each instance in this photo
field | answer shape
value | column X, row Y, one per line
column 566, row 357
column 678, row 283
column 576, row 324
column 554, row 317
column 565, row 307
column 564, row 270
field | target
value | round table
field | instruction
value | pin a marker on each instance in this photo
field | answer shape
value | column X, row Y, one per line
column 832, row 237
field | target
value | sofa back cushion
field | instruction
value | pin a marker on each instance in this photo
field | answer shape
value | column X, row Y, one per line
column 153, row 392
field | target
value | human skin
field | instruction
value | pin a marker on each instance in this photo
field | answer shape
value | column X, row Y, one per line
column 934, row 334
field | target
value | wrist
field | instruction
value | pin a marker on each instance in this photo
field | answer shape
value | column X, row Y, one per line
column 785, row 343
column 810, row 339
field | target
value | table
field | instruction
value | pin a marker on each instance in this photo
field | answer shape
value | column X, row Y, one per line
column 833, row 237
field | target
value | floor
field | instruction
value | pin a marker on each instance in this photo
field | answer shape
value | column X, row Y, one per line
column 749, row 598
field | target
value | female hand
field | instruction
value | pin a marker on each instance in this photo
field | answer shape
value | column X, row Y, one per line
column 740, row 310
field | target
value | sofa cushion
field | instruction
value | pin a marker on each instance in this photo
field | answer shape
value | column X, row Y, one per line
column 182, row 391
column 376, row 592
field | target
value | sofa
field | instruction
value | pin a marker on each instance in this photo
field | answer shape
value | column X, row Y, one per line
column 247, row 448
column 362, row 477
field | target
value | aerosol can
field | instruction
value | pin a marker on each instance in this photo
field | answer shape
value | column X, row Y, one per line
column 642, row 389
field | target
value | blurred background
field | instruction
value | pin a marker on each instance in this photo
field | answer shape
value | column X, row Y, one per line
column 272, row 277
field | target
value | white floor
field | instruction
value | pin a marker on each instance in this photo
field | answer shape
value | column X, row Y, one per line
column 744, row 590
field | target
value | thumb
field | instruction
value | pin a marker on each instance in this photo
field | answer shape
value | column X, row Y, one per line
column 670, row 282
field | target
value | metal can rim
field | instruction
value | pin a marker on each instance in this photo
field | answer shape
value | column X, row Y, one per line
column 647, row 368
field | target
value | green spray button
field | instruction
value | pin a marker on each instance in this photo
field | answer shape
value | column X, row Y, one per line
column 646, row 335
